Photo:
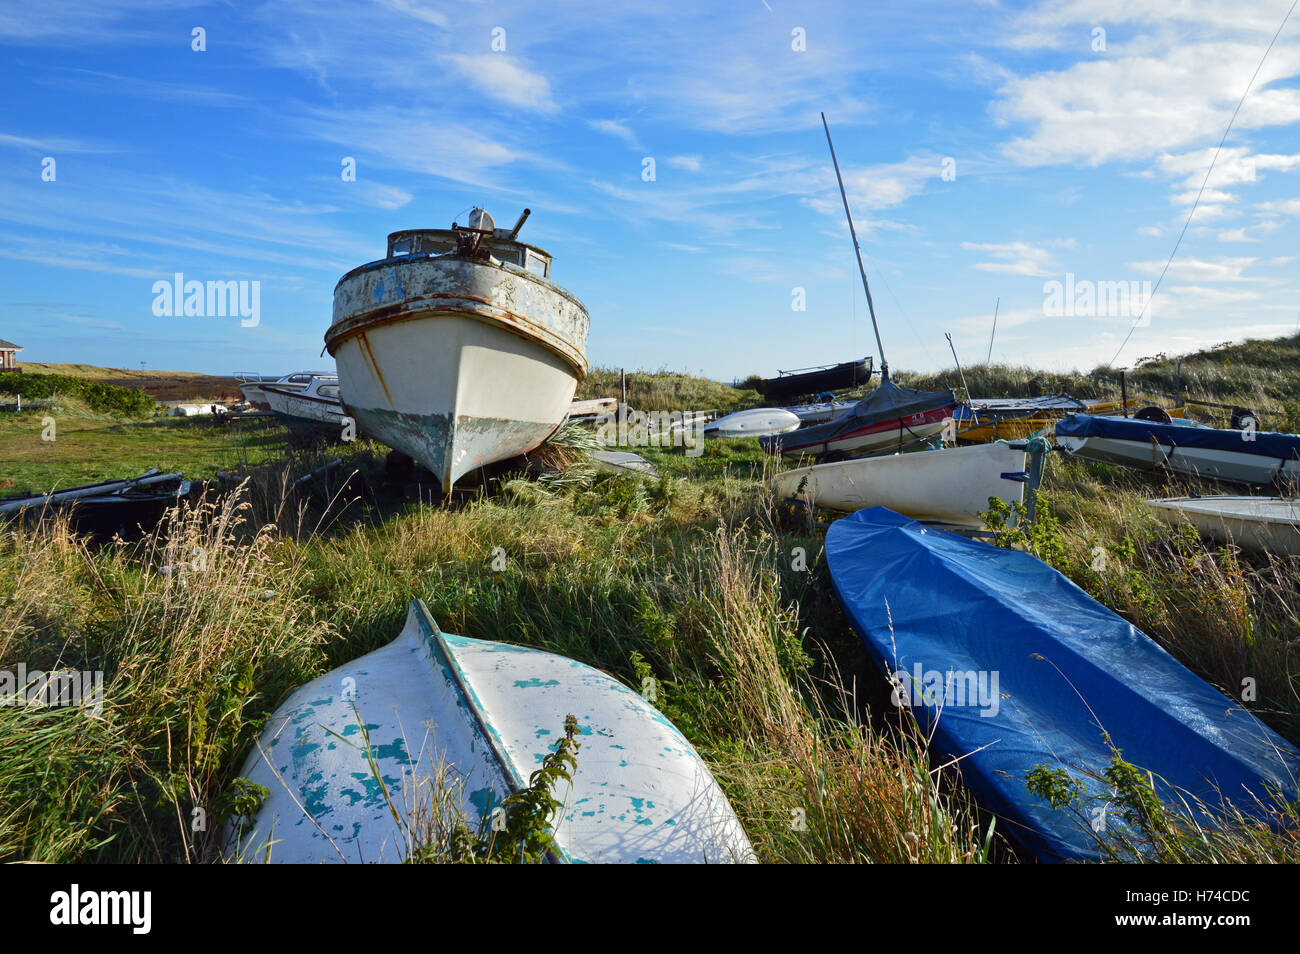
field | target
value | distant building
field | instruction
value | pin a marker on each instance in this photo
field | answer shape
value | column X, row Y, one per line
column 8, row 355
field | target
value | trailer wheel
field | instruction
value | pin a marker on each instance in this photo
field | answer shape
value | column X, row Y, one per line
column 1243, row 419
column 1156, row 415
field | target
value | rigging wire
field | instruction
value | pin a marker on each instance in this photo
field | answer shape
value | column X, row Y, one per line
column 1204, row 182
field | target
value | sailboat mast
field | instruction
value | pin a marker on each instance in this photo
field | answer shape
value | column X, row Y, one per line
column 884, row 365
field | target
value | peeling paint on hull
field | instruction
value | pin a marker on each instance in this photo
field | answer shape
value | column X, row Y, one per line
column 457, row 362
column 488, row 713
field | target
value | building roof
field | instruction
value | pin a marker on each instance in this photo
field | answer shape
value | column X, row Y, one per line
column 9, row 346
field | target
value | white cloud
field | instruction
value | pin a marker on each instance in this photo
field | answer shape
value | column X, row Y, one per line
column 504, row 80
column 618, row 130
column 1200, row 270
column 688, row 163
column 1014, row 258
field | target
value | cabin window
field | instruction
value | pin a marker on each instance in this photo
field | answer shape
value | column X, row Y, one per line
column 537, row 264
column 328, row 390
column 402, row 247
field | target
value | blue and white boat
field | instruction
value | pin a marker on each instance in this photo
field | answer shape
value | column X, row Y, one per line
column 356, row 760
column 1246, row 456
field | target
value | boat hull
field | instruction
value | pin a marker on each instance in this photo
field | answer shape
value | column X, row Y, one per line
column 1239, row 456
column 850, row 374
column 458, row 363
column 480, row 716
column 1261, row 524
column 755, row 422
column 1192, row 461
column 1075, row 682
column 879, row 436
column 307, row 415
column 951, row 486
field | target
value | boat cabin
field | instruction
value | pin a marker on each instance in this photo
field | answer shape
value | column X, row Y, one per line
column 480, row 237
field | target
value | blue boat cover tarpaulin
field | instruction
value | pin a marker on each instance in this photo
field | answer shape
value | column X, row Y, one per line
column 1264, row 444
column 1010, row 665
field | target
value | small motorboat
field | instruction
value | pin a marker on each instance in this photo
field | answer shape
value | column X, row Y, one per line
column 1261, row 524
column 312, row 412
column 788, row 385
column 755, row 422
column 480, row 716
column 1008, row 666
column 951, row 486
column 1245, row 456
column 251, row 384
column 456, row 348
column 110, row 508
column 890, row 417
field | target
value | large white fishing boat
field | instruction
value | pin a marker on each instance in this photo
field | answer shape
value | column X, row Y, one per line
column 457, row 348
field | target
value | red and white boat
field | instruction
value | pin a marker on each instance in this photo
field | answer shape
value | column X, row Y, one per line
column 889, row 418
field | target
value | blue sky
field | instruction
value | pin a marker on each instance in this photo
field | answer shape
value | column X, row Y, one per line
column 225, row 164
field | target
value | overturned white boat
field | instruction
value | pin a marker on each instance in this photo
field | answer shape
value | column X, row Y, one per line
column 950, row 487
column 456, row 348
column 357, row 761
column 755, row 422
column 1269, row 524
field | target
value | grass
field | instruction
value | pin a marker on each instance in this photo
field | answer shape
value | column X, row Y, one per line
column 666, row 391
column 687, row 579
column 90, row 445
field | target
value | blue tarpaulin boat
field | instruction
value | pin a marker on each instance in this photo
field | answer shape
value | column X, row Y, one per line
column 1010, row 666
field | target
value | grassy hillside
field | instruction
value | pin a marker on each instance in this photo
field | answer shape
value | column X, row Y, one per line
column 689, row 579
column 160, row 385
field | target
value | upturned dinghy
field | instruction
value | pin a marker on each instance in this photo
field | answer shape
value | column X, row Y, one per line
column 457, row 348
column 486, row 714
column 1269, row 524
column 1185, row 447
column 1009, row 666
column 755, row 422
column 830, row 377
column 622, row 462
column 950, row 486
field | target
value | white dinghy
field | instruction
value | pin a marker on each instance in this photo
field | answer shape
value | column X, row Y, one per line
column 1253, row 523
column 755, row 422
column 481, row 716
column 951, row 486
column 622, row 462
column 456, row 348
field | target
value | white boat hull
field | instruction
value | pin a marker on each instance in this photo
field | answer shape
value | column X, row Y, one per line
column 457, row 363
column 481, row 716
column 951, row 486
column 755, row 422
column 819, row 412
column 1194, row 461
column 305, row 413
column 1260, row 524
column 622, row 462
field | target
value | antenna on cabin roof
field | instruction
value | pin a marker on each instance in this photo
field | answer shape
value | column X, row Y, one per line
column 884, row 365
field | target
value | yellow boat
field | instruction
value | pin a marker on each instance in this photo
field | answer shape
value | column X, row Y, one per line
column 1008, row 428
